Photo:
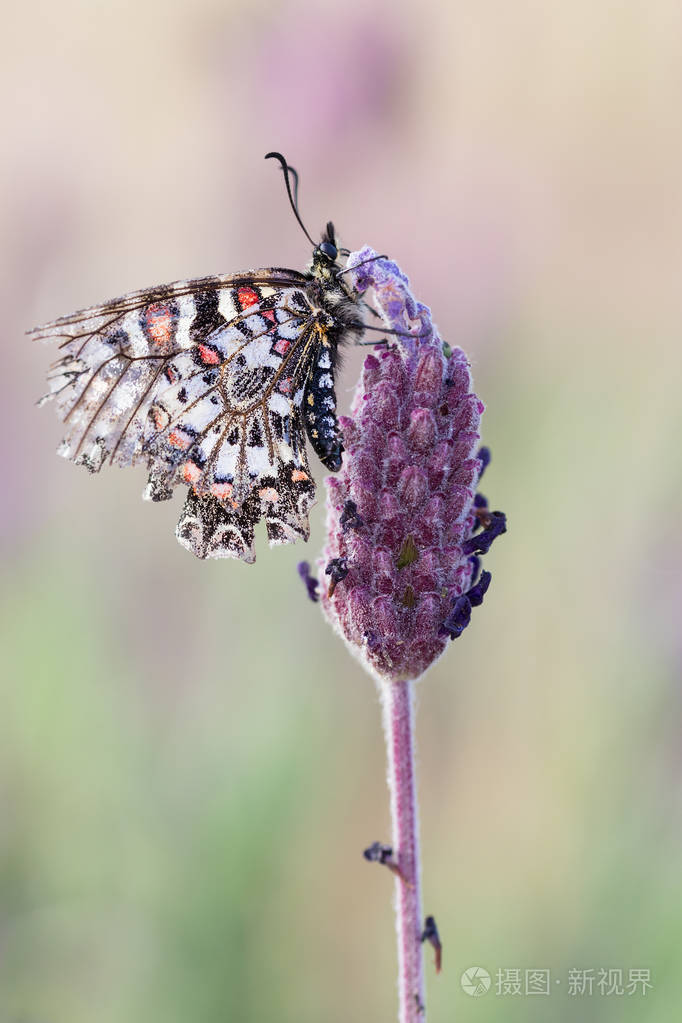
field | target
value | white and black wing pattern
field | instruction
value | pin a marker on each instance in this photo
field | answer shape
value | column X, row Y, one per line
column 203, row 381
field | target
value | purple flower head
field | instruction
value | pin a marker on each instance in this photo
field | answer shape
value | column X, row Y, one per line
column 404, row 527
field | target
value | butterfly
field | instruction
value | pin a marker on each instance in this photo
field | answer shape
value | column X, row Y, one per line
column 214, row 383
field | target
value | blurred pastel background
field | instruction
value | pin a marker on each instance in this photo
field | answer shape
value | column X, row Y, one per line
column 190, row 763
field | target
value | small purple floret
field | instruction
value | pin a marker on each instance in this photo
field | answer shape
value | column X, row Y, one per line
column 481, row 543
column 349, row 516
column 483, row 456
column 337, row 569
column 458, row 619
column 310, row 581
column 372, row 640
column 460, row 616
column 477, row 592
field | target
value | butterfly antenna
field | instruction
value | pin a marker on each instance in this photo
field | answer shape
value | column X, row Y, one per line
column 386, row 330
column 294, row 201
column 294, row 173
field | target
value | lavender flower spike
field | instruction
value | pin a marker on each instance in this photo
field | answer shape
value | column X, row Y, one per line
column 403, row 549
column 410, row 474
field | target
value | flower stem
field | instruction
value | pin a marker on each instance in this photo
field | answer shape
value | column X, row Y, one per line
column 398, row 705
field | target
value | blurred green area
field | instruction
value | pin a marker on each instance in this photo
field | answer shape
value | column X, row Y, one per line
column 190, row 762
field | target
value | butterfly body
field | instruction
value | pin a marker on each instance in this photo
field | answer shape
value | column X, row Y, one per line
column 213, row 383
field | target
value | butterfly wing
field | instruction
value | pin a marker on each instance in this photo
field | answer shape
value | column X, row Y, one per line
column 121, row 353
column 202, row 380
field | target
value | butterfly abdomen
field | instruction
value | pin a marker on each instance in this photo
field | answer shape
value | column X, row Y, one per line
column 319, row 410
column 336, row 322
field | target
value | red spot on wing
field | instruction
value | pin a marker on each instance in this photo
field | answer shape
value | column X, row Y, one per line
column 159, row 323
column 282, row 346
column 159, row 416
column 269, row 314
column 269, row 494
column 247, row 297
column 209, row 355
column 191, row 472
column 179, row 439
column 224, row 491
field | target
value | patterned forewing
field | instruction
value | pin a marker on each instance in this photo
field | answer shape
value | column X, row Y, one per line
column 203, row 381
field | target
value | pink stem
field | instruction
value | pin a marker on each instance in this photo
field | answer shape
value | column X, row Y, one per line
column 398, row 703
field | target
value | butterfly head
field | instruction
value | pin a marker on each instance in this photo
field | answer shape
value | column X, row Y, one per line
column 328, row 246
column 326, row 252
column 325, row 266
